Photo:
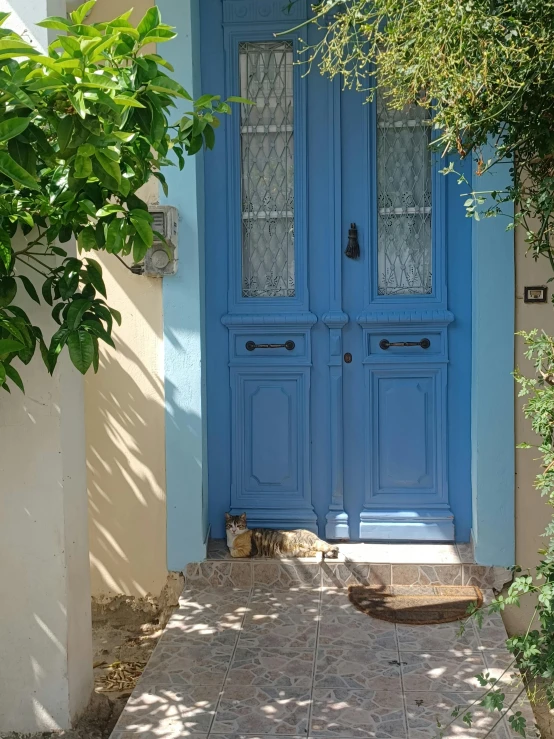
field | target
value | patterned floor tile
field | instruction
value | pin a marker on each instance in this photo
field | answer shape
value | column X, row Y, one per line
column 278, row 667
column 501, row 666
column 289, row 574
column 357, row 713
column 340, row 629
column 219, row 574
column 425, row 710
column 357, row 668
column 437, row 638
column 175, row 665
column 165, row 732
column 409, row 574
column 245, row 709
column 168, row 712
column 441, row 671
column 307, row 598
column 290, row 628
column 184, row 630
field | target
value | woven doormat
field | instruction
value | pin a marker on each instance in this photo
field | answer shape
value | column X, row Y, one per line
column 434, row 605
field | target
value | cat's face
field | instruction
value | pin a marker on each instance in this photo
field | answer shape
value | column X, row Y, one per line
column 235, row 524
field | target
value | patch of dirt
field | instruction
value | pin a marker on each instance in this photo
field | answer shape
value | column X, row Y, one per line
column 124, row 633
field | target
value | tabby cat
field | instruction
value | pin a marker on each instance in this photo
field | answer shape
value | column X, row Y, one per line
column 245, row 542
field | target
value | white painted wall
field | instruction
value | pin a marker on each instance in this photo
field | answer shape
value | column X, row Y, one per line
column 45, row 620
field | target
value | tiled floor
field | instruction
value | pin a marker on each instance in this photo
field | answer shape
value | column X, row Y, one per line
column 246, row 663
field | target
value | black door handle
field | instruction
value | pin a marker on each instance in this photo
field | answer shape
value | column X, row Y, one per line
column 424, row 343
column 288, row 345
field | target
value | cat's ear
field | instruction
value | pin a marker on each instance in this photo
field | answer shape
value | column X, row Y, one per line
column 243, row 516
column 227, row 516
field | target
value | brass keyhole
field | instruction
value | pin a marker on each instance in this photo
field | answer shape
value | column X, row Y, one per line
column 348, row 357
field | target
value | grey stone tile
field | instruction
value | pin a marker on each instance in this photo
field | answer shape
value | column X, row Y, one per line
column 437, row 638
column 184, row 629
column 169, row 712
column 176, row 665
column 278, row 667
column 357, row 668
column 219, row 574
column 340, row 629
column 441, row 671
column 357, row 713
column 486, row 577
column 288, row 626
column 285, row 574
column 411, row 574
column 425, row 710
column 245, row 709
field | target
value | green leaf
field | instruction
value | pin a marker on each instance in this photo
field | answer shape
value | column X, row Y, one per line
column 86, row 239
column 78, row 101
column 13, row 127
column 81, row 350
column 116, row 316
column 47, row 290
column 79, row 15
column 109, row 166
column 55, row 22
column 9, row 346
column 114, row 236
column 14, row 171
column 151, row 20
column 169, row 86
column 76, row 311
column 244, row 101
column 30, row 288
column 126, row 101
column 8, row 291
column 6, row 251
column 144, row 229
column 139, row 249
column 14, row 376
column 94, row 272
column 83, row 167
column 209, row 137
column 65, row 131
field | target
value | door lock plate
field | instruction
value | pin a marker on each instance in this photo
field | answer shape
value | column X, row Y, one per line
column 348, row 357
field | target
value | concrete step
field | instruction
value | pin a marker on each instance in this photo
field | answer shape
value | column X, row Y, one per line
column 414, row 565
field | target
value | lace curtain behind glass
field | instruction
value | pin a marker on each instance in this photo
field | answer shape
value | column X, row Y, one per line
column 266, row 78
column 404, row 200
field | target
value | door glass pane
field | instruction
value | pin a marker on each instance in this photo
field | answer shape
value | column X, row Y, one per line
column 404, row 200
column 267, row 164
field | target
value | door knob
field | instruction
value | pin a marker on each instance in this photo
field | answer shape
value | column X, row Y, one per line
column 348, row 357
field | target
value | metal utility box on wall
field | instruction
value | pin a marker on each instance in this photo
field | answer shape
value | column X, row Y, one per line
column 161, row 259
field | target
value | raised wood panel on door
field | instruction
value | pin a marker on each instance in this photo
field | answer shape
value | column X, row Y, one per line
column 405, row 435
column 270, row 410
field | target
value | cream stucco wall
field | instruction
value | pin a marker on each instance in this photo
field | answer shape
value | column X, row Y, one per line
column 531, row 512
column 125, row 423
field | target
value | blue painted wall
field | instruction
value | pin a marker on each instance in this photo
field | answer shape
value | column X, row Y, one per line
column 492, row 406
column 183, row 300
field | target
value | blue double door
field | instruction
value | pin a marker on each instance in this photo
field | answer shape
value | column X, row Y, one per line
column 338, row 300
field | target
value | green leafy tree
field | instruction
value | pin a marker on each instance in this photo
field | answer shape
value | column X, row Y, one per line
column 82, row 128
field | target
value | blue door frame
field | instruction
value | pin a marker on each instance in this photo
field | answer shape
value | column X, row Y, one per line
column 187, row 356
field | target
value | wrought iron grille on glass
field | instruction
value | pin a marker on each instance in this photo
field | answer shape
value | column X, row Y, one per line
column 404, row 200
column 267, row 169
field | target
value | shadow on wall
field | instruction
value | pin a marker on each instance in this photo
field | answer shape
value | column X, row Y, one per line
column 125, row 424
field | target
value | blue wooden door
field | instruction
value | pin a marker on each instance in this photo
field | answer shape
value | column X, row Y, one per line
column 337, row 387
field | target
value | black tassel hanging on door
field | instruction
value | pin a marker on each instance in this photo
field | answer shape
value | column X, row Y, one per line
column 352, row 250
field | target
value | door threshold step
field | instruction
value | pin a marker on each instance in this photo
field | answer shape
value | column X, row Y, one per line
column 415, row 565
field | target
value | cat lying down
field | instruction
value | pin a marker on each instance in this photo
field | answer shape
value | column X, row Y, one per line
column 245, row 542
